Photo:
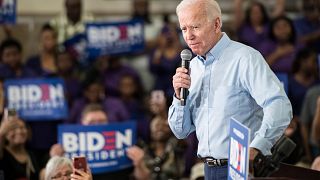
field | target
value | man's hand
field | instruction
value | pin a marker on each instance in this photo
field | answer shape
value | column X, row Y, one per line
column 56, row 150
column 252, row 155
column 181, row 80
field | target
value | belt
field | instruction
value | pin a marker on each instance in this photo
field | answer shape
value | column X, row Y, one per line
column 210, row 161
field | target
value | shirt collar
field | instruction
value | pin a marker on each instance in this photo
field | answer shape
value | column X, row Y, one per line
column 217, row 49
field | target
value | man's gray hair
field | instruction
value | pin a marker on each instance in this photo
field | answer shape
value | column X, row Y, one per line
column 211, row 7
column 54, row 163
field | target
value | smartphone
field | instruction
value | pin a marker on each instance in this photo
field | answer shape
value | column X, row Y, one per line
column 80, row 162
column 12, row 113
column 9, row 114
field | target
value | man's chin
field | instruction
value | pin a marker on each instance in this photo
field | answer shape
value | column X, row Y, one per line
column 196, row 51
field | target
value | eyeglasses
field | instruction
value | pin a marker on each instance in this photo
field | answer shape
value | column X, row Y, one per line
column 60, row 176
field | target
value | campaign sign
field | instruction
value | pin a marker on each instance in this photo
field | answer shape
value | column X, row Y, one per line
column 104, row 146
column 238, row 165
column 283, row 77
column 37, row 99
column 114, row 38
column 8, row 11
column 76, row 46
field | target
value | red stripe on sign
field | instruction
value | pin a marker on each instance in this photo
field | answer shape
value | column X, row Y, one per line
column 109, row 133
column 110, row 147
column 112, row 140
column 45, row 92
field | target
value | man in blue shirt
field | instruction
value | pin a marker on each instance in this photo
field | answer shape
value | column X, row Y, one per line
column 227, row 79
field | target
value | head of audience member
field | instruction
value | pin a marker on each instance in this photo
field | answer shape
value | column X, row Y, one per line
column 282, row 30
column 15, row 132
column 101, row 63
column 256, row 14
column 64, row 62
column 48, row 38
column 169, row 36
column 94, row 92
column 160, row 130
column 200, row 22
column 114, row 62
column 105, row 62
column 73, row 10
column 130, row 87
column 93, row 114
column 306, row 62
column 141, row 10
column 158, row 102
column 58, row 168
column 311, row 9
column 11, row 53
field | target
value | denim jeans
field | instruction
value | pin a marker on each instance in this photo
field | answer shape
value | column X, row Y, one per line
column 216, row 173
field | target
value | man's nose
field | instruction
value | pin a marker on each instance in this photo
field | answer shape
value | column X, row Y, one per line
column 189, row 34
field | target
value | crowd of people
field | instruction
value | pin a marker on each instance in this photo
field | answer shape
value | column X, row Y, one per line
column 138, row 86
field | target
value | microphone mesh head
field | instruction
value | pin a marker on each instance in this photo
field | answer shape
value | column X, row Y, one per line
column 186, row 55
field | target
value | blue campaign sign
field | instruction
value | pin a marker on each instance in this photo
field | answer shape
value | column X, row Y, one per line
column 104, row 146
column 114, row 38
column 76, row 46
column 37, row 99
column 238, row 165
column 8, row 11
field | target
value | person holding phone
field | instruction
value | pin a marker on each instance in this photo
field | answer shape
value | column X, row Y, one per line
column 61, row 167
column 16, row 161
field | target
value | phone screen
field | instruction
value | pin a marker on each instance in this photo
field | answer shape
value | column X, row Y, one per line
column 11, row 114
column 80, row 163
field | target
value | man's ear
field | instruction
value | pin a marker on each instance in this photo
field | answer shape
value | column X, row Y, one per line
column 217, row 25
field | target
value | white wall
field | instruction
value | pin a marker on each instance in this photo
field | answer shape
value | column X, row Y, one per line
column 49, row 7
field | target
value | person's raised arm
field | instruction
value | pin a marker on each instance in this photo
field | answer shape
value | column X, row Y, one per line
column 278, row 8
column 5, row 127
column 136, row 154
column 238, row 16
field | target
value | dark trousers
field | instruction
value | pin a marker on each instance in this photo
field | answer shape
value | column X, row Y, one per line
column 216, row 173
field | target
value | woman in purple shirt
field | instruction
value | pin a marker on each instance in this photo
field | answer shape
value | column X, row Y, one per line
column 281, row 48
column 251, row 27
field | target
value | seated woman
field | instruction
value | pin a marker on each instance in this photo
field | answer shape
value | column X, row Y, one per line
column 16, row 161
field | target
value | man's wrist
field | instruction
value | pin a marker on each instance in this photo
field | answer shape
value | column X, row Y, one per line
column 175, row 95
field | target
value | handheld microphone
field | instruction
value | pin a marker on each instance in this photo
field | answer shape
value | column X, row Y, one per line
column 186, row 56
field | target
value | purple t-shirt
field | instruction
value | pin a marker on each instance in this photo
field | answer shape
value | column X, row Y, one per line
column 112, row 77
column 305, row 27
column 163, row 72
column 114, row 108
column 284, row 63
column 249, row 36
column 296, row 94
column 7, row 73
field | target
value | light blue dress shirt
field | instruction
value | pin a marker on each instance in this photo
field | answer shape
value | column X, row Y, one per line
column 233, row 82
